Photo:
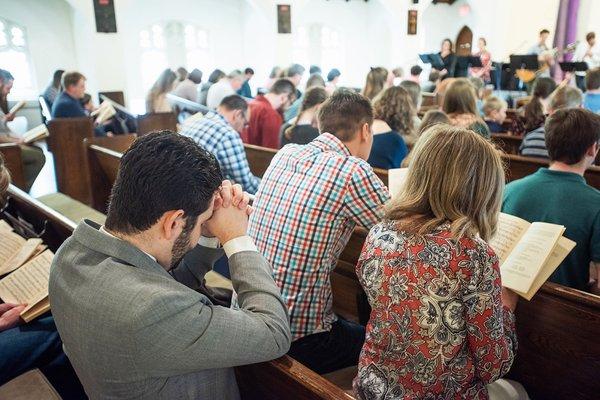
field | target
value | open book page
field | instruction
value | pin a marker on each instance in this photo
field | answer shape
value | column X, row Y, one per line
column 29, row 283
column 5, row 227
column 510, row 230
column 36, row 308
column 37, row 133
column 396, row 179
column 524, row 263
column 562, row 250
column 105, row 112
column 27, row 250
column 10, row 244
column 17, row 107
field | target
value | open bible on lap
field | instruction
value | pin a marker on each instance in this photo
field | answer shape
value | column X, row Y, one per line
column 528, row 252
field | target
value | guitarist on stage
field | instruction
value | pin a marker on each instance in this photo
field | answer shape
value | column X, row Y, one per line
column 545, row 57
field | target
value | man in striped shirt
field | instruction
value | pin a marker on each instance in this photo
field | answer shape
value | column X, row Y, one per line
column 310, row 200
column 534, row 143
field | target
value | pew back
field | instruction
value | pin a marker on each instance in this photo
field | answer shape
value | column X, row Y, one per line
column 14, row 162
column 66, row 144
column 116, row 96
column 156, row 122
column 508, row 143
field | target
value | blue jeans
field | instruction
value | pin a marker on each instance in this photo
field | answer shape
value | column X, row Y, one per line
column 326, row 352
column 37, row 345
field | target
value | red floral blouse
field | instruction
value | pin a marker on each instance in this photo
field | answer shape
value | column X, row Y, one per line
column 437, row 328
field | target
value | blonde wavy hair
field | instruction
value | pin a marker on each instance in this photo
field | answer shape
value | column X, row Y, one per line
column 4, row 180
column 395, row 107
column 456, row 176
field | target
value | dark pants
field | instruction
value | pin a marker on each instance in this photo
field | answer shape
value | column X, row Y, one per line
column 37, row 345
column 326, row 352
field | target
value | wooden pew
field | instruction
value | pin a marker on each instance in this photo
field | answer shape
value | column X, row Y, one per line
column 14, row 162
column 272, row 380
column 156, row 122
column 259, row 158
column 508, row 143
column 66, row 144
column 103, row 156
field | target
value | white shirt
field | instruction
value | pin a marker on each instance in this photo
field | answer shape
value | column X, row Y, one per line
column 233, row 246
column 218, row 92
column 593, row 61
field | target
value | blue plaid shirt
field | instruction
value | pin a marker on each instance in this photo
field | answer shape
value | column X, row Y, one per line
column 215, row 135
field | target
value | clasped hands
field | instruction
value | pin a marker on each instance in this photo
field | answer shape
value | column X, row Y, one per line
column 230, row 213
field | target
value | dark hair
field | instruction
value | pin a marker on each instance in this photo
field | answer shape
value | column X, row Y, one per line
column 85, row 99
column 534, row 111
column 451, row 44
column 216, row 76
column 6, row 76
column 544, row 31
column 195, row 76
column 312, row 97
column 71, row 78
column 431, row 118
column 234, row 102
column 249, row 71
column 434, row 75
column 570, row 132
column 315, row 80
column 283, row 86
column 414, row 90
column 182, row 74
column 344, row 113
column 460, row 98
column 416, row 70
column 590, row 36
column 295, row 69
column 314, row 69
column 161, row 171
column 334, row 73
column 56, row 78
column 592, row 79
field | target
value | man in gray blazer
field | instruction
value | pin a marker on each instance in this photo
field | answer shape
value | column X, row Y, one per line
column 132, row 323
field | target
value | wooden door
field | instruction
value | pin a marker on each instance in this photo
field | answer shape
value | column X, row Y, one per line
column 464, row 41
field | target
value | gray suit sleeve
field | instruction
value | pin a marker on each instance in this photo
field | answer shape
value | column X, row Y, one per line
column 196, row 263
column 178, row 333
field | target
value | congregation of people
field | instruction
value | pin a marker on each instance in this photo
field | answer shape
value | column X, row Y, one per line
column 132, row 318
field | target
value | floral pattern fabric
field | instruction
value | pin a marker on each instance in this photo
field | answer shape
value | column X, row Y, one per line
column 438, row 329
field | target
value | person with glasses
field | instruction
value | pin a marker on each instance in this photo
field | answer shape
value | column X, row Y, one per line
column 266, row 114
column 219, row 133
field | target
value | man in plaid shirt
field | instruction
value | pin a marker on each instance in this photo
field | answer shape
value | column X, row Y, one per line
column 218, row 133
column 310, row 200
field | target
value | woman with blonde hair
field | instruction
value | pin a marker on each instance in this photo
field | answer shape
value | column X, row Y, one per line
column 393, row 128
column 460, row 104
column 378, row 79
column 303, row 129
column 156, row 101
column 441, row 324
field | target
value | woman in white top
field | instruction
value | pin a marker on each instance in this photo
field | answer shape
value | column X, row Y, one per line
column 156, row 101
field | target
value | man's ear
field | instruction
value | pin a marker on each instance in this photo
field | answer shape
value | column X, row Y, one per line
column 171, row 224
column 592, row 151
column 365, row 132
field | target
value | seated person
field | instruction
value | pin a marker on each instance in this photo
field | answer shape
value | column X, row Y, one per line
column 534, row 144
column 245, row 90
column 572, row 137
column 479, row 86
column 431, row 118
column 147, row 331
column 68, row 102
column 315, row 80
column 535, row 111
column 213, row 78
column 591, row 99
column 218, row 133
column 156, row 99
column 432, row 82
column 35, row 344
column 224, row 87
column 32, row 156
column 460, row 104
column 54, row 88
column 303, row 129
column 414, row 90
column 441, row 324
column 265, row 115
column 310, row 199
column 494, row 113
column 393, row 128
column 188, row 88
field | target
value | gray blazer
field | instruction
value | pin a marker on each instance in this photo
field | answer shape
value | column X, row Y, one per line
column 133, row 331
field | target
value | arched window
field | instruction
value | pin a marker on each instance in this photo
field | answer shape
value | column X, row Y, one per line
column 14, row 54
column 170, row 45
column 332, row 50
column 301, row 44
column 319, row 45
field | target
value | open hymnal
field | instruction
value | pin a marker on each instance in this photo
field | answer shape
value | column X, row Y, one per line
column 16, row 251
column 528, row 252
column 396, row 178
column 29, row 285
column 105, row 112
column 38, row 133
column 17, row 107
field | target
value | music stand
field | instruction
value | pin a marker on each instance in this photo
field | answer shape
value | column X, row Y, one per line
column 434, row 59
column 573, row 66
column 464, row 62
column 524, row 61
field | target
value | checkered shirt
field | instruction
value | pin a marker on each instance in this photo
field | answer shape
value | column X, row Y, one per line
column 309, row 202
column 215, row 135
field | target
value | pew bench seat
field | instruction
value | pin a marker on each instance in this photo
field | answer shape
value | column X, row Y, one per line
column 31, row 385
column 71, row 208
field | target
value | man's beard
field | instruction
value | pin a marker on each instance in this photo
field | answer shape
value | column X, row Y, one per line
column 182, row 243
